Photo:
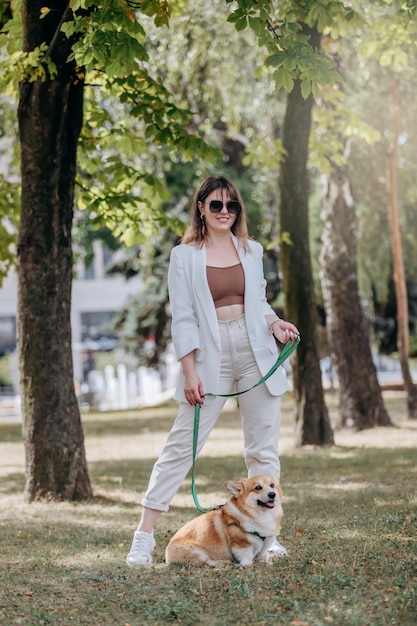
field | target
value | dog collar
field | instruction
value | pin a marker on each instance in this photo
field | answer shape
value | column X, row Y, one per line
column 256, row 534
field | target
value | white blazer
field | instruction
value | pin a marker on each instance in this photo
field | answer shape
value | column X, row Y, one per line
column 194, row 321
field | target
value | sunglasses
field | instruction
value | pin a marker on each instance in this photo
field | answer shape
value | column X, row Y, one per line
column 215, row 206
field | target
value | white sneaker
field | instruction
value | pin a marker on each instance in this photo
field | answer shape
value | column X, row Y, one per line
column 277, row 549
column 140, row 551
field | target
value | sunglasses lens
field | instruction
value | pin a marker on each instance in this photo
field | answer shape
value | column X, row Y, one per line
column 233, row 207
column 217, row 205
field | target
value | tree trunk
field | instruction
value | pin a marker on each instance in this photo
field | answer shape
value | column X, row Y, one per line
column 361, row 402
column 403, row 333
column 312, row 419
column 50, row 119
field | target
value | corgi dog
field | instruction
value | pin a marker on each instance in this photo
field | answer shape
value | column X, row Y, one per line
column 241, row 530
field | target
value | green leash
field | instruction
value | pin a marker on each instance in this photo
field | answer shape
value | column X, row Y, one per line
column 284, row 354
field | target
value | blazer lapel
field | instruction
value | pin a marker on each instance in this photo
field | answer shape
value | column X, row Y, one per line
column 246, row 260
column 207, row 311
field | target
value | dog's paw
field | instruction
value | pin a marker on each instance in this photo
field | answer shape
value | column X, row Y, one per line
column 277, row 549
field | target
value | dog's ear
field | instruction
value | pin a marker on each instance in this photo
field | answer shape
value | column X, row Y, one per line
column 235, row 487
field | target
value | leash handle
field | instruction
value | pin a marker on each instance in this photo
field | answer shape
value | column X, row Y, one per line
column 287, row 350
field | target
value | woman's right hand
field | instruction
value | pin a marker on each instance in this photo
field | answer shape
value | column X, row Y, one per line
column 193, row 388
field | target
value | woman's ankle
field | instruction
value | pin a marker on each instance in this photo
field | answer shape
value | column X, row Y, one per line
column 148, row 520
column 141, row 529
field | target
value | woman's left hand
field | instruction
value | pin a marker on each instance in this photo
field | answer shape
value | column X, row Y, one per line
column 284, row 331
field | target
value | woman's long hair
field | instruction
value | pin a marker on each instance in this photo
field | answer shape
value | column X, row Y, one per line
column 196, row 232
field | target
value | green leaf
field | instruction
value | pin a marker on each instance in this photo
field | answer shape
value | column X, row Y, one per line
column 276, row 59
column 242, row 23
column 257, row 25
column 305, row 88
column 283, row 79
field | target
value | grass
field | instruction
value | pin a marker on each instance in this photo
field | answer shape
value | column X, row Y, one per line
column 350, row 528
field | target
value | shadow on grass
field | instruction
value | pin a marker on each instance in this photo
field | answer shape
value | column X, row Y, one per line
column 129, row 422
column 109, row 426
column 134, row 475
column 334, row 466
column 10, row 433
column 122, row 426
column 154, row 420
column 343, row 464
column 12, row 483
column 341, row 469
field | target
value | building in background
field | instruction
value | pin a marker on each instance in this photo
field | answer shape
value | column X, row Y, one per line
column 96, row 298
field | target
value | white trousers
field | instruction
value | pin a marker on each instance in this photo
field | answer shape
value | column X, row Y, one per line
column 259, row 410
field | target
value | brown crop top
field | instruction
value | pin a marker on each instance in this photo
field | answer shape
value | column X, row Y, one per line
column 227, row 284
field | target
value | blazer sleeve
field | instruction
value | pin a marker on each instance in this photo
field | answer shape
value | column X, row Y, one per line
column 184, row 326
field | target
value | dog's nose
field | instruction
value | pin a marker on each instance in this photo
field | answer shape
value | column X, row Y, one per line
column 272, row 495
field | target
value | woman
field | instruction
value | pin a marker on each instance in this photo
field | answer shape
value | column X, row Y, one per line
column 224, row 333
